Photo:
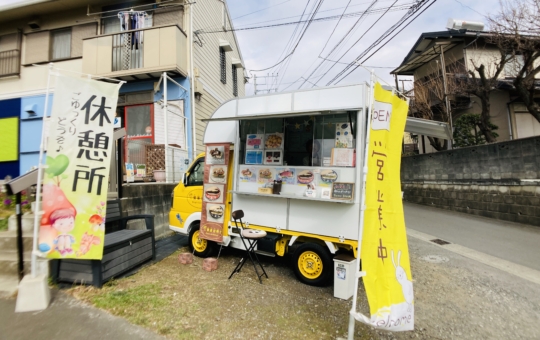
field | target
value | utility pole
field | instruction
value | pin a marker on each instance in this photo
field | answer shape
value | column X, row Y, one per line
column 447, row 101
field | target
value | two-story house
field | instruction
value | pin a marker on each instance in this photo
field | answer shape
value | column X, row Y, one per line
column 135, row 41
column 459, row 51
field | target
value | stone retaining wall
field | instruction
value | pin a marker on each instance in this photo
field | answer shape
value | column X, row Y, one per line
column 148, row 198
column 499, row 180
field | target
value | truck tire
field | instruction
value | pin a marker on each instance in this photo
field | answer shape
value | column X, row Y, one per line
column 312, row 264
column 198, row 246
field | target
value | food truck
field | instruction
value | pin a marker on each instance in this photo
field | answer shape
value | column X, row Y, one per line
column 293, row 163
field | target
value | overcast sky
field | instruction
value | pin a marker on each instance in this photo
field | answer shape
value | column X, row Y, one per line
column 262, row 48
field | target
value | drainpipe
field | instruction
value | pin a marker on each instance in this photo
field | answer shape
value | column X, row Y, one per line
column 510, row 127
column 193, row 127
column 165, row 114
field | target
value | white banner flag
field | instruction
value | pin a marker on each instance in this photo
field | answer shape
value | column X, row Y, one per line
column 75, row 181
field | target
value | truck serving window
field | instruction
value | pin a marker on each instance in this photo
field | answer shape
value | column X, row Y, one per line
column 196, row 173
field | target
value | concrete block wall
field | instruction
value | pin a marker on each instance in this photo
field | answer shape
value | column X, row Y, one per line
column 499, row 180
column 148, row 198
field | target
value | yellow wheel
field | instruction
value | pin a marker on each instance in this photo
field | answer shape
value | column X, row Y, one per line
column 313, row 264
column 200, row 247
column 310, row 264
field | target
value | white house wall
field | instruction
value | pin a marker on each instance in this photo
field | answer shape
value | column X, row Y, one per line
column 208, row 17
column 487, row 55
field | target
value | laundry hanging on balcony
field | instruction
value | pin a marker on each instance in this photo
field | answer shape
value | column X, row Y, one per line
column 131, row 42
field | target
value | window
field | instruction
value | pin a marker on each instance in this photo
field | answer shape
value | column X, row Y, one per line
column 513, row 66
column 140, row 132
column 222, row 60
column 235, row 81
column 61, row 44
column 196, row 173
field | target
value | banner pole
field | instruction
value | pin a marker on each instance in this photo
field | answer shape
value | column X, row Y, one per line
column 358, row 273
column 165, row 114
column 40, row 176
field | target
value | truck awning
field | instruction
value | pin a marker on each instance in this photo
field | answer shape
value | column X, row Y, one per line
column 429, row 128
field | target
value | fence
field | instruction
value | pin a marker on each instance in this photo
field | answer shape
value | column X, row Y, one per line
column 127, row 50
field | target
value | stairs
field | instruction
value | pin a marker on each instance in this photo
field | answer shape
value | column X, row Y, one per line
column 9, row 277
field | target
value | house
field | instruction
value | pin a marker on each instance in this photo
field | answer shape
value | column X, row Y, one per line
column 458, row 51
column 136, row 41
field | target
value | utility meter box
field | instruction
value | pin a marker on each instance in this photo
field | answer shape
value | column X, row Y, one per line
column 344, row 276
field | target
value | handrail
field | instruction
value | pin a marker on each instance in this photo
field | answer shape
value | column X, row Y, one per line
column 136, row 30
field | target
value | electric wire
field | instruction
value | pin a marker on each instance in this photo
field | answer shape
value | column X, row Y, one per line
column 341, row 41
column 333, row 17
column 421, row 3
column 245, row 15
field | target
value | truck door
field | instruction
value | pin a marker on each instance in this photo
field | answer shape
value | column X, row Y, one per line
column 188, row 195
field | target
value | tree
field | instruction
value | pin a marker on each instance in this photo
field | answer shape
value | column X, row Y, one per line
column 467, row 130
column 516, row 32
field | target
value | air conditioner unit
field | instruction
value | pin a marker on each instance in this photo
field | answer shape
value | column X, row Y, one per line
column 454, row 24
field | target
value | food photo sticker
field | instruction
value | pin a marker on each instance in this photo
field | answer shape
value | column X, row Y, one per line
column 273, row 141
column 214, row 193
column 274, row 157
column 248, row 174
column 215, row 154
column 287, row 175
column 305, row 177
column 265, row 175
column 215, row 212
column 327, row 177
column 218, row 174
column 254, row 142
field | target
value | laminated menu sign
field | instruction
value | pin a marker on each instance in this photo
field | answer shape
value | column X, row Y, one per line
column 254, row 142
column 273, row 141
column 215, row 191
column 342, row 191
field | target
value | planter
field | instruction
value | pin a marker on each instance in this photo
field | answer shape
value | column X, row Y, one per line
column 159, row 175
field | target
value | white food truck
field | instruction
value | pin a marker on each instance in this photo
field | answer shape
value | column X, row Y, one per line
column 293, row 163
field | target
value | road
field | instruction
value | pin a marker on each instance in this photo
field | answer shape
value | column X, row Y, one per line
column 513, row 242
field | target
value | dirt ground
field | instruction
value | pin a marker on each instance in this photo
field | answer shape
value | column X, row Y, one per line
column 455, row 298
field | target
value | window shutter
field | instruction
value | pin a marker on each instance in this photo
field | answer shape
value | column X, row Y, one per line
column 37, row 47
column 222, row 60
column 78, row 34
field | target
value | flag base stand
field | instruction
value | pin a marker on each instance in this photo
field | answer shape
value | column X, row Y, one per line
column 34, row 294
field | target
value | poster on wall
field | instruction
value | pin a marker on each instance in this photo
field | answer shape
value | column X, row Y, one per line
column 273, row 157
column 305, row 177
column 248, row 174
column 254, row 142
column 327, row 177
column 265, row 175
column 77, row 174
column 214, row 192
column 344, row 137
column 216, row 154
column 218, row 174
column 286, row 175
column 130, row 173
column 273, row 141
column 254, row 157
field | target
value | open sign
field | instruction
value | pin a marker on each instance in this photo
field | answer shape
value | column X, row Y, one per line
column 382, row 113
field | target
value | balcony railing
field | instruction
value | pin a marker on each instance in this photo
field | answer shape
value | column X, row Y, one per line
column 10, row 63
column 137, row 54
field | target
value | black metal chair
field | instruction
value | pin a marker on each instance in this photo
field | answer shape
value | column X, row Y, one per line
column 249, row 238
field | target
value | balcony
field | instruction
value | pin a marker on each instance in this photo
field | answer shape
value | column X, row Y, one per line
column 137, row 54
column 10, row 63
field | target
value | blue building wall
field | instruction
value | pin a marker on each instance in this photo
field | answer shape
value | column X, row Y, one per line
column 10, row 108
column 31, row 125
column 31, row 129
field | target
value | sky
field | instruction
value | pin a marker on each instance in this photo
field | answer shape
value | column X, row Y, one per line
column 263, row 48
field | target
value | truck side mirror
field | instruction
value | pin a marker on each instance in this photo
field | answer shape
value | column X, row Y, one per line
column 184, row 179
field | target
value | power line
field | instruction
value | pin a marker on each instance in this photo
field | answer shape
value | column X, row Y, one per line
column 342, row 39
column 245, row 15
column 356, row 42
column 333, row 17
column 413, row 10
column 298, row 42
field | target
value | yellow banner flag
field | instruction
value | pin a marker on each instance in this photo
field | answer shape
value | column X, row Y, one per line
column 385, row 254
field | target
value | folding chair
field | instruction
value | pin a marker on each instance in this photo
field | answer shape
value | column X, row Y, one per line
column 249, row 238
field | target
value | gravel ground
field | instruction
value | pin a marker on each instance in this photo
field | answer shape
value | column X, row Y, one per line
column 455, row 298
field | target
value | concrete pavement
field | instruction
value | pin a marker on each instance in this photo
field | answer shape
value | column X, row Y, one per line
column 514, row 242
